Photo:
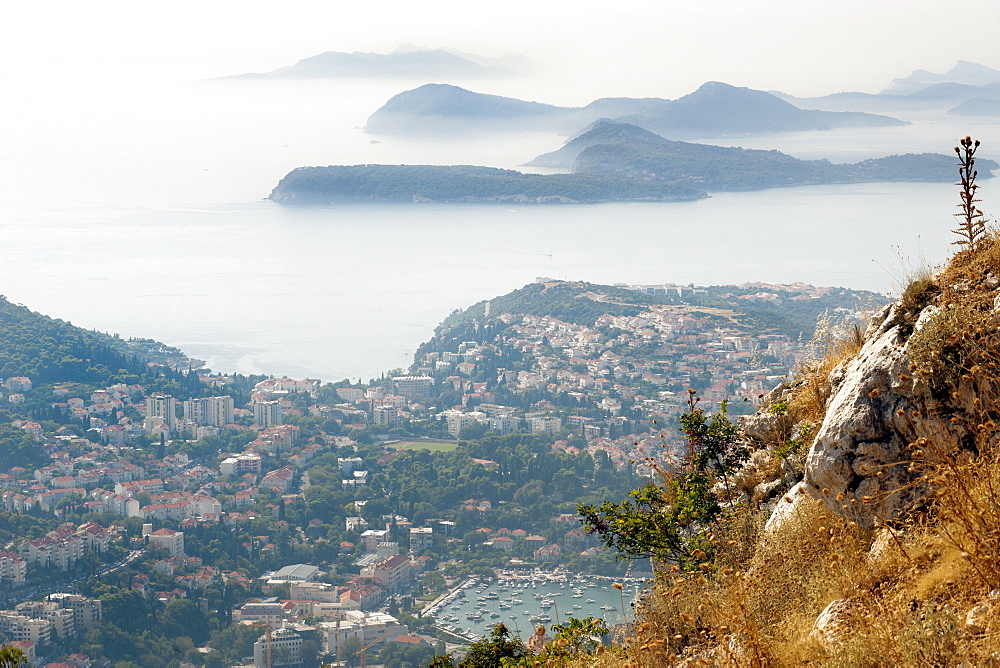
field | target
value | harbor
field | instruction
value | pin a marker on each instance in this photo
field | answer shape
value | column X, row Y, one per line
column 522, row 600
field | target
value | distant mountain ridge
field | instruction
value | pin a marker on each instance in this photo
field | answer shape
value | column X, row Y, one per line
column 921, row 90
column 715, row 108
column 964, row 72
column 408, row 63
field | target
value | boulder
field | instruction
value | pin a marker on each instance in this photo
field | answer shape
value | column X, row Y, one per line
column 832, row 626
column 786, row 507
column 860, row 460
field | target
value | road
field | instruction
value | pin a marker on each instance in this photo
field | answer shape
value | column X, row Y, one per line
column 69, row 585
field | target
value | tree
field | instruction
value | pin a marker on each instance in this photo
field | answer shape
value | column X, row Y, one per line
column 348, row 651
column 670, row 521
column 181, row 617
column 12, row 657
column 490, row 652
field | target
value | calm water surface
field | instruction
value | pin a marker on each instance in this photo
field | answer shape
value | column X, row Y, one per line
column 351, row 291
column 144, row 215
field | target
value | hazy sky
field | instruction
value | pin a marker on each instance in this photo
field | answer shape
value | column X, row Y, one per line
column 625, row 47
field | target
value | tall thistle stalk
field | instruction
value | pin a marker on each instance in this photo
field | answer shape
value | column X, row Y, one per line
column 972, row 222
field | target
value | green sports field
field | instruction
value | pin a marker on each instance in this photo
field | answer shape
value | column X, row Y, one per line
column 433, row 446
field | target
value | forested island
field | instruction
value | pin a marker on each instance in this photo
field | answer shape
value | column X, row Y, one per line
column 624, row 149
column 344, row 184
column 612, row 162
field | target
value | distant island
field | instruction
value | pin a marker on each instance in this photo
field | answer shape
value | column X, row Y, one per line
column 966, row 89
column 714, row 109
column 612, row 162
column 404, row 62
column 345, row 184
column 626, row 150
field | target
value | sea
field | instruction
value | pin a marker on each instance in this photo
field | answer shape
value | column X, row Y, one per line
column 145, row 215
column 523, row 600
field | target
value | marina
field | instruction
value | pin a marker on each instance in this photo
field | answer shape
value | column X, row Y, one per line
column 522, row 600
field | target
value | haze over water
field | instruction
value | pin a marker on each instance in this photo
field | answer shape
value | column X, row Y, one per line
column 135, row 205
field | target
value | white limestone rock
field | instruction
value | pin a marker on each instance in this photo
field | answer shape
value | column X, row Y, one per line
column 832, row 626
column 788, row 504
column 860, row 457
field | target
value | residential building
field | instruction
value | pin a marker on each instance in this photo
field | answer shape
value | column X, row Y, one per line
column 418, row 387
column 163, row 406
column 170, row 540
column 392, row 572
column 370, row 538
column 267, row 413
column 13, row 568
column 62, row 620
column 240, row 464
column 367, row 627
column 283, row 648
column 86, row 611
column 215, row 411
column 19, row 627
column 385, row 416
column 421, row 538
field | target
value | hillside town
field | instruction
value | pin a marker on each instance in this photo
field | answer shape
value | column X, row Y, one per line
column 284, row 516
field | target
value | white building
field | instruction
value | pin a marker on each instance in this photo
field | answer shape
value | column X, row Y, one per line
column 241, row 464
column 20, row 627
column 365, row 626
column 421, row 538
column 163, row 406
column 172, row 541
column 295, row 573
column 385, row 416
column 283, row 649
column 13, row 568
column 414, row 386
column 546, row 425
column 266, row 413
column 215, row 411
column 370, row 538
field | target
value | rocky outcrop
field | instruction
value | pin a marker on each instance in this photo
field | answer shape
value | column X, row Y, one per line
column 860, row 461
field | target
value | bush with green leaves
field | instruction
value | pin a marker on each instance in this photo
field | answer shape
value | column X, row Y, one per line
column 493, row 651
column 671, row 521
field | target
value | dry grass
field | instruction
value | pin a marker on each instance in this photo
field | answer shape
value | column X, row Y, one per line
column 905, row 595
column 908, row 592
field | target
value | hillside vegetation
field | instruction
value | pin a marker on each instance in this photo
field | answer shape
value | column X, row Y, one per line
column 792, row 312
column 47, row 349
column 765, row 560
